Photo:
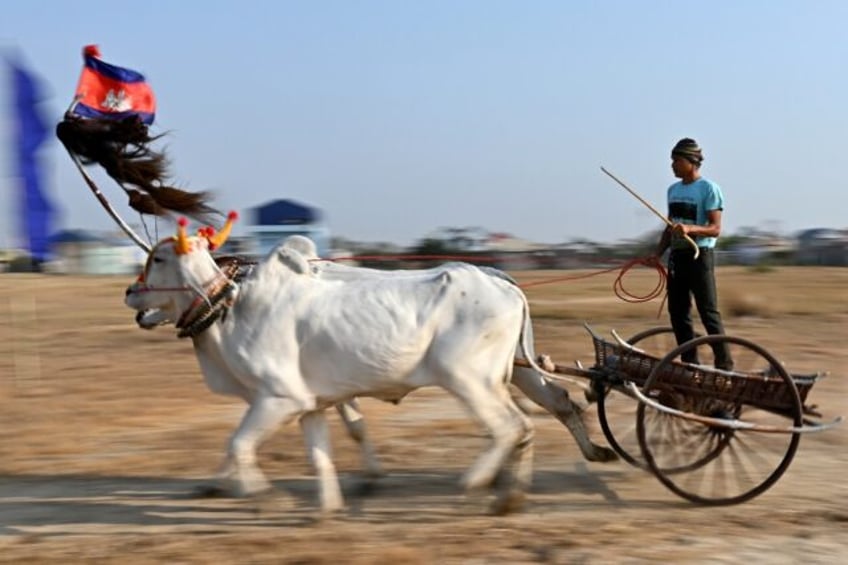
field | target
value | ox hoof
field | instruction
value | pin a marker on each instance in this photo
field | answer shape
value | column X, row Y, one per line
column 590, row 395
column 374, row 474
column 367, row 486
column 210, row 491
column 475, row 485
column 266, row 492
column 601, row 454
column 333, row 511
column 328, row 516
column 270, row 501
column 510, row 502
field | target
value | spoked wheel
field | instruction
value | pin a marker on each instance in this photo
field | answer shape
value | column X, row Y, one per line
column 617, row 408
column 707, row 463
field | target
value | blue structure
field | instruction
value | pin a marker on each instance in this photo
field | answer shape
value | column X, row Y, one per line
column 272, row 222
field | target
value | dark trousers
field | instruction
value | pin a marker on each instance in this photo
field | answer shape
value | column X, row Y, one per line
column 687, row 278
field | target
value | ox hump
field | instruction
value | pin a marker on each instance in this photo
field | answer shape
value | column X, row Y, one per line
column 290, row 259
column 302, row 244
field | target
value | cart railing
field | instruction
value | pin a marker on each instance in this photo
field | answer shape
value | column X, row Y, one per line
column 695, row 423
column 763, row 389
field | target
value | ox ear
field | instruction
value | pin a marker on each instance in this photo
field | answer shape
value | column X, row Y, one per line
column 293, row 260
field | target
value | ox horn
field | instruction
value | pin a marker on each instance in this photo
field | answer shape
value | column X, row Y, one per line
column 216, row 240
column 182, row 245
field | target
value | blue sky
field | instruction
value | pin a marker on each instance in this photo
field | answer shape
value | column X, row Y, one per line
column 399, row 117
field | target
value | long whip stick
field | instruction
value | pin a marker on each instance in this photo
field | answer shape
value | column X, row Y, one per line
column 102, row 199
column 652, row 209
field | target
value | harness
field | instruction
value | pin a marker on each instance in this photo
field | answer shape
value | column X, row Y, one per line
column 212, row 306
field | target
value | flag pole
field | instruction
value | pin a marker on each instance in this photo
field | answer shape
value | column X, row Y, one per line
column 101, row 197
column 652, row 209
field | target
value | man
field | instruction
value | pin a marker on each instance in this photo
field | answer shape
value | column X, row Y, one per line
column 695, row 206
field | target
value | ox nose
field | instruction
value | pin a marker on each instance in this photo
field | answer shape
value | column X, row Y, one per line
column 133, row 288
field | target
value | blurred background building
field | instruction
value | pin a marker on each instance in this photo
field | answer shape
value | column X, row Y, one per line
column 272, row 222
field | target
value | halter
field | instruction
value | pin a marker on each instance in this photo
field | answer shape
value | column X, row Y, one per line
column 214, row 298
column 212, row 305
column 213, row 301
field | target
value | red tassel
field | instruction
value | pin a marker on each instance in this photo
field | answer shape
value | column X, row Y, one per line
column 91, row 51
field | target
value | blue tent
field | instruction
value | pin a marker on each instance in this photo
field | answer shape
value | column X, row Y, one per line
column 274, row 221
column 284, row 212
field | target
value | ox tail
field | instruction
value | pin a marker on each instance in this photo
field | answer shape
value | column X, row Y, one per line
column 526, row 345
column 526, row 341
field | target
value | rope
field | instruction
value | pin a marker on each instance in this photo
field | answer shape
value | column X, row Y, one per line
column 466, row 258
column 618, row 285
column 650, row 262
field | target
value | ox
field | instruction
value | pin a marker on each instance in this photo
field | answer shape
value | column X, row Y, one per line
column 292, row 344
column 528, row 380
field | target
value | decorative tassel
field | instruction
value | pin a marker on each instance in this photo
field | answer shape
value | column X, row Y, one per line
column 216, row 240
column 91, row 51
column 182, row 245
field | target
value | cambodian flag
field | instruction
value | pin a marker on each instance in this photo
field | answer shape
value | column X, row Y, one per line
column 107, row 91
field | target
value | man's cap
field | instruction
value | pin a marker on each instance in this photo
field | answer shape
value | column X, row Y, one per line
column 688, row 149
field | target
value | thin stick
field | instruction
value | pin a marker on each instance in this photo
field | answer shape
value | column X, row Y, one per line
column 107, row 206
column 652, row 209
column 102, row 199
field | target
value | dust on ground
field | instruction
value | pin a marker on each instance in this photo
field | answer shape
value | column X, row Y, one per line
column 106, row 431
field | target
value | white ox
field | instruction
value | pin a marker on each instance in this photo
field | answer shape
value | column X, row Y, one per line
column 292, row 344
column 529, row 380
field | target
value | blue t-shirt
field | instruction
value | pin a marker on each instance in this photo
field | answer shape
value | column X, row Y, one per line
column 689, row 204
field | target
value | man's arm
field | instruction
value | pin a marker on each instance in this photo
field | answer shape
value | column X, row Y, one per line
column 712, row 229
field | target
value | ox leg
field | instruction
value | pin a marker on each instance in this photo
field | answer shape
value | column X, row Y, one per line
column 511, row 431
column 556, row 401
column 264, row 416
column 317, row 437
column 518, row 475
column 355, row 424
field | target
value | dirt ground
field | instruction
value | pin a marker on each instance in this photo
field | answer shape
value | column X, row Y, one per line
column 106, row 430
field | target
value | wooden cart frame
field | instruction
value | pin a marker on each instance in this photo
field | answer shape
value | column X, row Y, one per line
column 712, row 436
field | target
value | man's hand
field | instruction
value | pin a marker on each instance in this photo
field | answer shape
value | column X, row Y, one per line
column 681, row 229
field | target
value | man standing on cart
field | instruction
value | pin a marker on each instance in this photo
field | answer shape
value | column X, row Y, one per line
column 695, row 205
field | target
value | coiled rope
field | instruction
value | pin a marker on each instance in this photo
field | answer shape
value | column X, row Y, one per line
column 619, row 289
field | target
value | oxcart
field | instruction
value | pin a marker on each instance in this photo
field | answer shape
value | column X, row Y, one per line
column 712, row 436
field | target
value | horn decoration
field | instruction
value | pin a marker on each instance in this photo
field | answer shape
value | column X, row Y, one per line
column 181, row 244
column 216, row 240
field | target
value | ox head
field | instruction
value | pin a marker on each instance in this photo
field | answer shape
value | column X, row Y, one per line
column 178, row 270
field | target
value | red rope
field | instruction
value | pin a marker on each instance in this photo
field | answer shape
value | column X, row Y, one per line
column 618, row 285
column 466, row 258
column 651, row 262
column 621, row 292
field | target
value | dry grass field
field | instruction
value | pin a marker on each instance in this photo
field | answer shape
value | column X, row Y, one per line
column 106, row 430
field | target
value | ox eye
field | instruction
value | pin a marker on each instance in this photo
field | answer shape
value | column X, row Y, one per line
column 158, row 260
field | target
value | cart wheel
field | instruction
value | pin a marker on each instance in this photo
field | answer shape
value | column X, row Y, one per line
column 617, row 408
column 710, row 464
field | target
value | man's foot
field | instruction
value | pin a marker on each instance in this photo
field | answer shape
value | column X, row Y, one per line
column 723, row 362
